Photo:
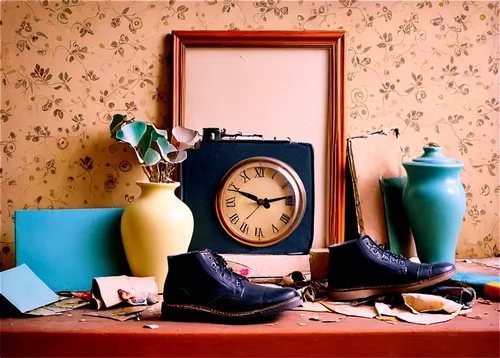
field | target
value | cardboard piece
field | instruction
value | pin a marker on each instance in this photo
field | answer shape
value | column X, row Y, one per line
column 369, row 158
column 67, row 248
column 105, row 289
column 119, row 314
column 64, row 304
column 21, row 288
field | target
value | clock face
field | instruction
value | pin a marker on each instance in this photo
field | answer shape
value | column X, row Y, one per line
column 260, row 201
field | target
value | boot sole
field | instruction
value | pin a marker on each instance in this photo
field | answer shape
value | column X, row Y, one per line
column 354, row 293
column 183, row 313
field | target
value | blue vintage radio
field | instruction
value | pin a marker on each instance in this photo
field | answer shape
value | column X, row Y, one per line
column 249, row 195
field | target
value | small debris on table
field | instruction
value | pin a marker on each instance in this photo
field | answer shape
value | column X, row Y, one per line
column 302, row 315
column 477, row 316
column 151, row 326
column 302, row 324
column 388, row 319
column 82, row 320
column 483, row 301
column 270, row 324
column 330, row 320
column 314, row 318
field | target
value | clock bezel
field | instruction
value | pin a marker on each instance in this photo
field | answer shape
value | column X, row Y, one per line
column 298, row 189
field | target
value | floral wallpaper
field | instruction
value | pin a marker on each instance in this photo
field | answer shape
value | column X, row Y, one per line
column 429, row 68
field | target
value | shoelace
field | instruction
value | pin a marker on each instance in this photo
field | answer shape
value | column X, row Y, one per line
column 385, row 250
column 395, row 258
column 227, row 270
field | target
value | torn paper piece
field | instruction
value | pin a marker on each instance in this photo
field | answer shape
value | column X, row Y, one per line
column 348, row 310
column 151, row 326
column 119, row 314
column 105, row 289
column 405, row 314
column 419, row 302
column 311, row 307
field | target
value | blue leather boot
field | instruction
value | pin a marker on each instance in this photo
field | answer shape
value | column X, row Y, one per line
column 200, row 287
column 362, row 268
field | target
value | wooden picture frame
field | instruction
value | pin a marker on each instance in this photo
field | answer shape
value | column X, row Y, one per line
column 330, row 46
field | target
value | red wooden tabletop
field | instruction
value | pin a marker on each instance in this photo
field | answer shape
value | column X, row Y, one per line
column 67, row 336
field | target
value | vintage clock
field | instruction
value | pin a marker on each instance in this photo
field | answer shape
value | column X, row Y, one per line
column 250, row 196
column 260, row 201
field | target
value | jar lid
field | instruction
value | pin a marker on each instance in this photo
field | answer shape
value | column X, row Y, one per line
column 433, row 157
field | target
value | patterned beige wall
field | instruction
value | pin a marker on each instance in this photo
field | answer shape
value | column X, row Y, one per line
column 429, row 68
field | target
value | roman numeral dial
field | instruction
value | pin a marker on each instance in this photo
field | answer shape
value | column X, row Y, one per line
column 260, row 201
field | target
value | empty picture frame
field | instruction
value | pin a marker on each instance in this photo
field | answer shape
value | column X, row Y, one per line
column 282, row 84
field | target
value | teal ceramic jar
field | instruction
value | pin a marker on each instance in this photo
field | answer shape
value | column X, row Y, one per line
column 434, row 201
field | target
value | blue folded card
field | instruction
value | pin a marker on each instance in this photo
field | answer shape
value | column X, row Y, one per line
column 24, row 290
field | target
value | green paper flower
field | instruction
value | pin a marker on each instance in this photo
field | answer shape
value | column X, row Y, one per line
column 155, row 153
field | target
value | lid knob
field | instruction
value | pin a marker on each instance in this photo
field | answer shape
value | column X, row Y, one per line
column 432, row 155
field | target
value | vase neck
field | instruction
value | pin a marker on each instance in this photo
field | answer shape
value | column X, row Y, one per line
column 164, row 189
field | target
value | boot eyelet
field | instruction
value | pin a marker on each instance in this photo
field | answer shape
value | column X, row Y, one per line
column 213, row 264
column 222, row 274
column 238, row 283
column 210, row 257
column 229, row 279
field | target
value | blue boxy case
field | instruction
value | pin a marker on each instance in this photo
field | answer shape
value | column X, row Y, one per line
column 200, row 177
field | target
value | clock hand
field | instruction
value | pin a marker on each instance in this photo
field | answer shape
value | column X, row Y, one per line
column 255, row 198
column 266, row 200
column 254, row 210
column 249, row 196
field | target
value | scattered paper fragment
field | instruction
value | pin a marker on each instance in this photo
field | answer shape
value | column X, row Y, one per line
column 383, row 309
column 311, row 307
column 314, row 318
column 302, row 315
column 302, row 324
column 151, row 326
column 331, row 320
column 358, row 311
column 419, row 302
column 404, row 314
column 82, row 320
column 270, row 324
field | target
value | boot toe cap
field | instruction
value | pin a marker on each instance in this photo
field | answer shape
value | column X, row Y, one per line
column 273, row 296
column 440, row 268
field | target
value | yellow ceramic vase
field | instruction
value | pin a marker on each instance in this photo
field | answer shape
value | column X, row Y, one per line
column 155, row 225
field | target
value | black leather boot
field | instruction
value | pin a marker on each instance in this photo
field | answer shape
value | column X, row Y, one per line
column 362, row 268
column 200, row 287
